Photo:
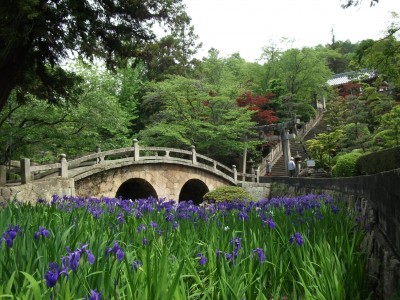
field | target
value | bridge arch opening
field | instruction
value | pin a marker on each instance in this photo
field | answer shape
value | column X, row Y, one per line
column 193, row 189
column 136, row 188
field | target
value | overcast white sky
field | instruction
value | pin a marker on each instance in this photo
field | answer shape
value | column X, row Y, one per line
column 246, row 26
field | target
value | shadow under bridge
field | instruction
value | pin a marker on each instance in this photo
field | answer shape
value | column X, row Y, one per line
column 138, row 188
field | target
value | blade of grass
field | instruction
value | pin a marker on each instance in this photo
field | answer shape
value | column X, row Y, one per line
column 34, row 285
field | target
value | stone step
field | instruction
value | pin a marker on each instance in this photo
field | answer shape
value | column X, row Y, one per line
column 298, row 148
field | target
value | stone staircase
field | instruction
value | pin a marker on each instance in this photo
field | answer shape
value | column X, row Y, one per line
column 297, row 148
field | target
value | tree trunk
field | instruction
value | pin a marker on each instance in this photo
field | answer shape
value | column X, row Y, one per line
column 6, row 87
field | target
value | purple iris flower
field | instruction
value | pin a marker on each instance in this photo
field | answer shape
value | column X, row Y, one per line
column 144, row 242
column 202, row 260
column 120, row 254
column 334, row 209
column 42, row 232
column 91, row 257
column 95, row 211
column 170, row 217
column 89, row 254
column 153, row 224
column 229, row 256
column 72, row 260
column 260, row 253
column 54, row 273
column 117, row 250
column 94, row 295
column 140, row 228
column 40, row 200
column 298, row 238
column 137, row 264
column 9, row 240
column 243, row 216
column 120, row 218
column 271, row 223
column 10, row 234
column 236, row 243
column 175, row 225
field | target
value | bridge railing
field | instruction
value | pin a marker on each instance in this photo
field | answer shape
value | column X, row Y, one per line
column 29, row 172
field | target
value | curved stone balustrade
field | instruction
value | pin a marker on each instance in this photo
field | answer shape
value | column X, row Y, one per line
column 86, row 165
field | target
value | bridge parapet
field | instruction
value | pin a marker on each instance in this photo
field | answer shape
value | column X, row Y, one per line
column 128, row 155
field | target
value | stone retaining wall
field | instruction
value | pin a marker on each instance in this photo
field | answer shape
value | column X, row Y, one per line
column 30, row 192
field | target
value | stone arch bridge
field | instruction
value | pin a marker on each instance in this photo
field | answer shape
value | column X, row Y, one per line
column 134, row 172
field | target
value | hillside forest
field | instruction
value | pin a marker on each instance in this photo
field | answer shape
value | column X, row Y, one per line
column 101, row 77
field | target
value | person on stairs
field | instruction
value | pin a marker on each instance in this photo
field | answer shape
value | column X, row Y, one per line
column 291, row 167
column 269, row 168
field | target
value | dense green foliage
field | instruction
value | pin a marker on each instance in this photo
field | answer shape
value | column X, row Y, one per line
column 36, row 36
column 186, row 114
column 42, row 130
column 346, row 165
column 324, row 147
column 227, row 193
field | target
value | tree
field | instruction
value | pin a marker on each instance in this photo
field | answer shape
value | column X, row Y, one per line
column 338, row 55
column 303, row 72
column 129, row 91
column 192, row 114
column 270, row 56
column 261, row 105
column 42, row 130
column 171, row 54
column 37, row 36
column 324, row 147
column 382, row 55
column 335, row 110
column 231, row 76
column 378, row 104
column 388, row 135
column 356, row 136
column 290, row 105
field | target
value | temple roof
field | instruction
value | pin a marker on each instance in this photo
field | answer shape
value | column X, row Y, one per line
column 361, row 75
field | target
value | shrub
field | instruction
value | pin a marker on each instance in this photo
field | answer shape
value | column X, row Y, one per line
column 227, row 193
column 346, row 165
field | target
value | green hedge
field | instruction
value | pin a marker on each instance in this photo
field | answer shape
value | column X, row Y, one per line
column 346, row 165
column 227, row 193
column 381, row 161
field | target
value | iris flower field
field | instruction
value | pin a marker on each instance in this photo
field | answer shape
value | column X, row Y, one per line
column 305, row 247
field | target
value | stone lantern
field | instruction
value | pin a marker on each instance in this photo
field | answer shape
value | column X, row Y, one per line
column 297, row 161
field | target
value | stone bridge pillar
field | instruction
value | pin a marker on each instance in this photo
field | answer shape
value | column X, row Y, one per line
column 136, row 150
column 194, row 158
column 25, row 170
column 3, row 175
column 63, row 171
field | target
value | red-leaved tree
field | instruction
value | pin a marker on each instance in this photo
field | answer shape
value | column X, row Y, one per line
column 261, row 104
column 350, row 88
